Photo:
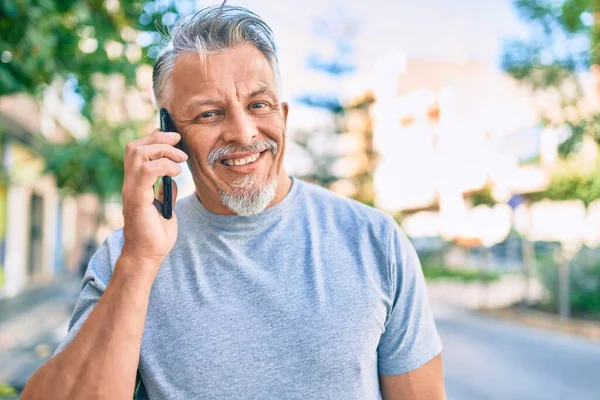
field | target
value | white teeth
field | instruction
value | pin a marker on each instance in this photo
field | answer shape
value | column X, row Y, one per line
column 242, row 161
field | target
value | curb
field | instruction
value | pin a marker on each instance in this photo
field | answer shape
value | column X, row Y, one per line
column 585, row 328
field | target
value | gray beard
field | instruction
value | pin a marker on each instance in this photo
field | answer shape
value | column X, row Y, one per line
column 245, row 200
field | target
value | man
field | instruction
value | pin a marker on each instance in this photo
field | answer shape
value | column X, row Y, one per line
column 261, row 286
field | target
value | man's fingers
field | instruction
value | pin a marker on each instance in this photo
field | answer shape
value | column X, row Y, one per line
column 147, row 159
column 157, row 151
column 150, row 171
column 157, row 136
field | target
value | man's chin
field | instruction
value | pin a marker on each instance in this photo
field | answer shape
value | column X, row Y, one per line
column 249, row 199
column 246, row 183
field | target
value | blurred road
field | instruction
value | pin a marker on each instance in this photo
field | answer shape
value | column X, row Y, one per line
column 484, row 358
column 32, row 325
column 491, row 359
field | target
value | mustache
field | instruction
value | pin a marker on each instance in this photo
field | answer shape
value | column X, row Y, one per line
column 257, row 146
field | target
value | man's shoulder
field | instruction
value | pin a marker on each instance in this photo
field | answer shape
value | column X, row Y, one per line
column 185, row 204
column 110, row 251
column 114, row 242
column 101, row 265
column 344, row 209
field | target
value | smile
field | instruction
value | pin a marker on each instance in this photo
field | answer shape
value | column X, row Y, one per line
column 230, row 162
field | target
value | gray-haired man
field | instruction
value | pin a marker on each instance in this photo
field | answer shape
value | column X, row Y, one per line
column 261, row 286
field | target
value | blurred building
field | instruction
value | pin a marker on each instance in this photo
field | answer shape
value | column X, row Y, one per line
column 358, row 158
column 447, row 131
column 38, row 229
column 42, row 232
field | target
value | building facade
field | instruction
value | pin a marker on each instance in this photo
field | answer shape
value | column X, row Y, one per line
column 41, row 231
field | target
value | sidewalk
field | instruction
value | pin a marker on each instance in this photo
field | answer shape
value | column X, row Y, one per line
column 32, row 324
column 585, row 328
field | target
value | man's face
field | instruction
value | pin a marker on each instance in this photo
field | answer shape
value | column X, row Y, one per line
column 228, row 113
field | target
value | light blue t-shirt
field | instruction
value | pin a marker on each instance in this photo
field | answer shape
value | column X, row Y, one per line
column 312, row 299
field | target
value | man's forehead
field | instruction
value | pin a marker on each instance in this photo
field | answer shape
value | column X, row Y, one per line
column 240, row 67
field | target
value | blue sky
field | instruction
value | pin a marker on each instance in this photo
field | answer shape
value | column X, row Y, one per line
column 449, row 30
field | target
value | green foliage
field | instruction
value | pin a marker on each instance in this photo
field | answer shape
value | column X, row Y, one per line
column 484, row 196
column 367, row 202
column 463, row 275
column 563, row 44
column 584, row 281
column 574, row 140
column 43, row 40
column 76, row 41
column 555, row 22
column 433, row 270
column 93, row 165
column 7, row 391
column 572, row 184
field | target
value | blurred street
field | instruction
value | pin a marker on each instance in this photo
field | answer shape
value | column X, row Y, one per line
column 491, row 359
column 31, row 327
column 484, row 358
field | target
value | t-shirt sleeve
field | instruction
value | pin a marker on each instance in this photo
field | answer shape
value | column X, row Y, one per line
column 410, row 338
column 93, row 286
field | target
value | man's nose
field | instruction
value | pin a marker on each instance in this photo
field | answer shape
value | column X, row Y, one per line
column 240, row 128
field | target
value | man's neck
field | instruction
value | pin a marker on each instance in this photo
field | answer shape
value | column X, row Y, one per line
column 284, row 184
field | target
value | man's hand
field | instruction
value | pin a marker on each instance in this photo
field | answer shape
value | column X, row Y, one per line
column 147, row 234
column 106, row 350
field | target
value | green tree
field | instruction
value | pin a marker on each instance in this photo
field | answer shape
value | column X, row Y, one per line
column 74, row 40
column 564, row 42
column 484, row 197
column 573, row 184
column 77, row 42
column 93, row 165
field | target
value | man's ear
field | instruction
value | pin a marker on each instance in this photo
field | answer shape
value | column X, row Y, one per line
column 285, row 108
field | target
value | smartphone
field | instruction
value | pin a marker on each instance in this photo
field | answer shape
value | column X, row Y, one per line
column 167, row 125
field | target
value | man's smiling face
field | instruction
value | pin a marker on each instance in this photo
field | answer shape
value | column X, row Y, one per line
column 227, row 110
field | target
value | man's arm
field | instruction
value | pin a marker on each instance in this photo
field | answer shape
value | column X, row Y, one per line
column 102, row 359
column 423, row 383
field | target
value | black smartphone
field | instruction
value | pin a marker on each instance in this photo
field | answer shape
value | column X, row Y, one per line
column 167, row 125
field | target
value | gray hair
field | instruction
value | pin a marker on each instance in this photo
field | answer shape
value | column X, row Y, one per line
column 211, row 30
column 248, row 201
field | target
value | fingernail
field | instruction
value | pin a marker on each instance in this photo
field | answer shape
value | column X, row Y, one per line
column 173, row 134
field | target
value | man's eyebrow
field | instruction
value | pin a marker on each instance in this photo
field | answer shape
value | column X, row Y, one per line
column 262, row 90
column 200, row 103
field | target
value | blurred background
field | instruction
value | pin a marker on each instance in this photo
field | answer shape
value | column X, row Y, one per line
column 475, row 124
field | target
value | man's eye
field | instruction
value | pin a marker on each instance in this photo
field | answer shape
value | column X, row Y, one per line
column 207, row 114
column 209, row 117
column 258, row 105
